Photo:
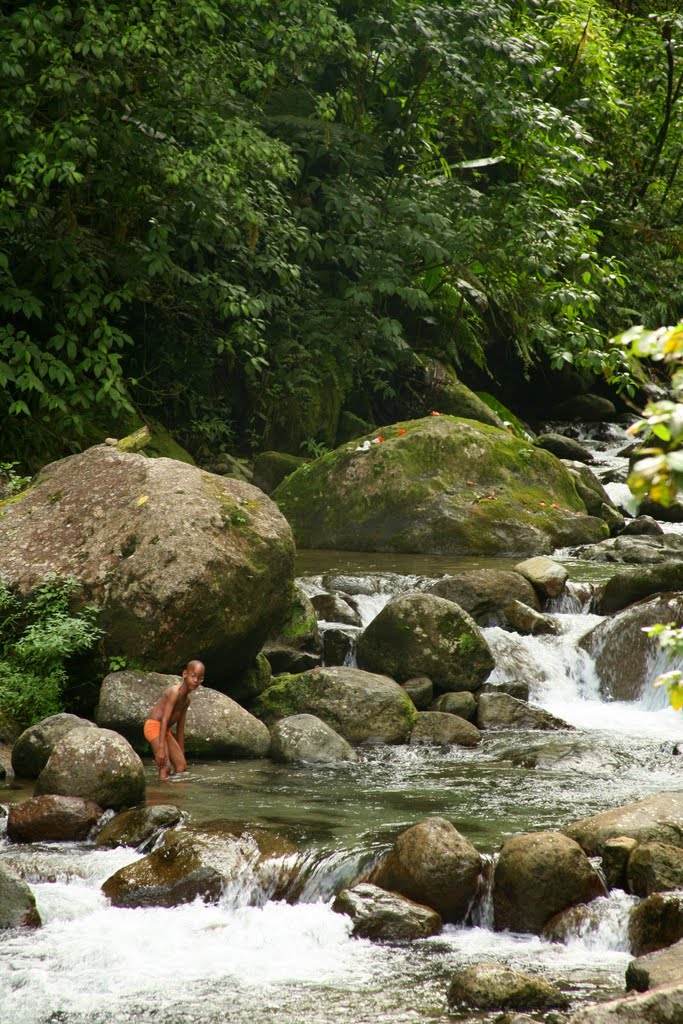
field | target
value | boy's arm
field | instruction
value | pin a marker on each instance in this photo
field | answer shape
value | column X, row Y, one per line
column 180, row 728
column 165, row 719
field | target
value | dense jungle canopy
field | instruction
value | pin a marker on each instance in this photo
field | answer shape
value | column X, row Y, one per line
column 243, row 216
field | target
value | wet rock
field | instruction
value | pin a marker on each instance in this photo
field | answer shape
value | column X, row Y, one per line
column 96, row 764
column 360, row 706
column 501, row 711
column 432, row 864
column 626, row 673
column 642, row 526
column 663, row 967
column 52, row 819
column 32, row 749
column 144, row 537
column 588, row 407
column 672, row 513
column 138, row 825
column 216, row 726
column 284, row 659
column 537, row 876
column 630, row 585
column 252, row 680
column 517, row 688
column 17, row 903
column 563, row 447
column 463, row 704
column 580, row 920
column 485, row 593
column 337, row 644
column 592, row 493
column 334, row 608
column 438, row 727
column 615, row 855
column 297, row 645
column 522, row 619
column 546, row 576
column 655, row 867
column 420, row 689
column 443, row 485
column 657, row 818
column 663, row 1006
column 378, row 914
column 306, row 738
column 419, row 634
column 656, row 922
column 199, row 861
column 491, row 986
column 271, row 468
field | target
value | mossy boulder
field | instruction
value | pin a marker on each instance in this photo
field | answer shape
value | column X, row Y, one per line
column 181, row 563
column 271, row 468
column 421, row 634
column 32, row 749
column 437, row 485
column 360, row 706
column 96, row 764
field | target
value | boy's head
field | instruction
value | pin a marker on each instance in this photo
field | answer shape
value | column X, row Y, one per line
column 193, row 674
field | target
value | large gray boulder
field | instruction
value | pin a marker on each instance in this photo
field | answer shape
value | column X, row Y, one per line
column 199, row 861
column 378, row 914
column 360, row 706
column 33, row 748
column 663, row 1006
column 657, row 818
column 215, row 727
column 485, row 593
column 308, row 739
column 433, row 864
column 17, row 902
column 491, row 986
column 52, row 819
column 537, row 876
column 663, row 967
column 623, row 653
column 437, row 484
column 420, row 634
column 182, row 563
column 627, row 586
column 96, row 764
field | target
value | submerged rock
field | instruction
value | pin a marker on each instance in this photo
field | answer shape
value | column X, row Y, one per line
column 52, row 819
column 433, row 864
column 138, row 825
column 378, row 914
column 442, row 485
column 491, row 986
column 537, row 876
column 419, row 634
column 199, row 861
column 663, row 1006
column 308, row 739
column 17, row 902
column 360, row 706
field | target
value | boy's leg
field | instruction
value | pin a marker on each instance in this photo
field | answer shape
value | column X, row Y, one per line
column 165, row 772
column 175, row 753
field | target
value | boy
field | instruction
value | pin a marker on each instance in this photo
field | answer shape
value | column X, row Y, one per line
column 171, row 709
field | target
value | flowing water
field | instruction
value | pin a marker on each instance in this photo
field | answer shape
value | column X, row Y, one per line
column 249, row 960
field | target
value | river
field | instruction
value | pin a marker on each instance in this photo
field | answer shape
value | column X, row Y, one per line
column 249, row 960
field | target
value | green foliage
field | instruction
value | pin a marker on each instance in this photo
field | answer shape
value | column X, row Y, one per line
column 659, row 474
column 11, row 482
column 37, row 638
column 214, row 209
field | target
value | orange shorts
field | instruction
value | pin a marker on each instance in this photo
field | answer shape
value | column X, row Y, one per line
column 152, row 729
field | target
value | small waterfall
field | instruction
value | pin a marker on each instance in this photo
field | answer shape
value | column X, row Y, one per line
column 481, row 912
column 554, row 666
column 575, row 599
column 599, row 925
